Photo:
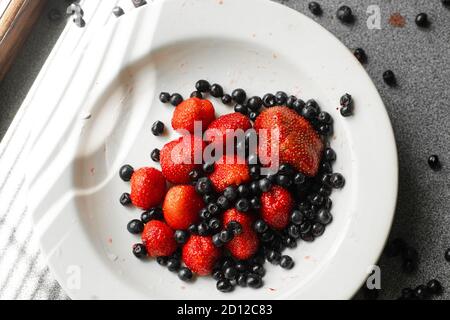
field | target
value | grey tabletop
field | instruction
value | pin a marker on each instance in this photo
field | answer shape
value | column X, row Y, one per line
column 419, row 109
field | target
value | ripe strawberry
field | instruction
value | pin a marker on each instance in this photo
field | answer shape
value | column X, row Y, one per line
column 229, row 171
column 181, row 206
column 200, row 255
column 148, row 188
column 299, row 144
column 276, row 207
column 158, row 239
column 217, row 130
column 191, row 110
column 244, row 245
column 179, row 157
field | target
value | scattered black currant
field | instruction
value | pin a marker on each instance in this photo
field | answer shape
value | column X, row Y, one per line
column 125, row 199
column 157, row 128
column 265, row 185
column 173, row 264
column 255, row 203
column 447, row 255
column 269, row 100
column 422, row 20
column 434, row 287
column 139, row 250
column 361, row 55
column 315, row 8
column 235, row 227
column 345, row 14
column 286, row 262
column 135, row 226
column 254, row 281
column 291, row 101
column 216, row 241
column 176, row 99
column 227, row 99
column 185, row 274
column 126, row 172
column 260, row 226
column 241, row 109
column 203, row 86
column 242, row 205
column 155, row 155
column 239, row 96
column 281, row 98
column 164, row 97
column 216, row 91
column 224, row 285
column 337, row 180
column 196, row 94
column 208, row 167
column 203, row 186
column 434, row 163
column 389, row 78
column 181, row 236
column 255, row 103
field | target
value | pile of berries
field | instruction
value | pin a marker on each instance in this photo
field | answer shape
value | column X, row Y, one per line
column 226, row 218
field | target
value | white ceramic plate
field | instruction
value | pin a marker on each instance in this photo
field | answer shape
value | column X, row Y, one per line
column 104, row 121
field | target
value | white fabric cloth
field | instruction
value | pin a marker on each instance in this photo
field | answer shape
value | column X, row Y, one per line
column 23, row 270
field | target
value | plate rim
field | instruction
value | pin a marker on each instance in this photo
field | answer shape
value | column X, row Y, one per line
column 392, row 146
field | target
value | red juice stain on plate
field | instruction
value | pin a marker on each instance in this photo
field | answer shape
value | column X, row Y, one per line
column 397, row 20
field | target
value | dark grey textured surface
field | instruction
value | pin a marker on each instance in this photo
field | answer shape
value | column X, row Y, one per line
column 419, row 109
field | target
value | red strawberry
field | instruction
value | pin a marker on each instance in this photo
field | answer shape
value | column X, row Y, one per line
column 244, row 245
column 299, row 144
column 200, row 255
column 192, row 110
column 159, row 239
column 276, row 207
column 148, row 188
column 231, row 121
column 179, row 157
column 181, row 206
column 230, row 170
